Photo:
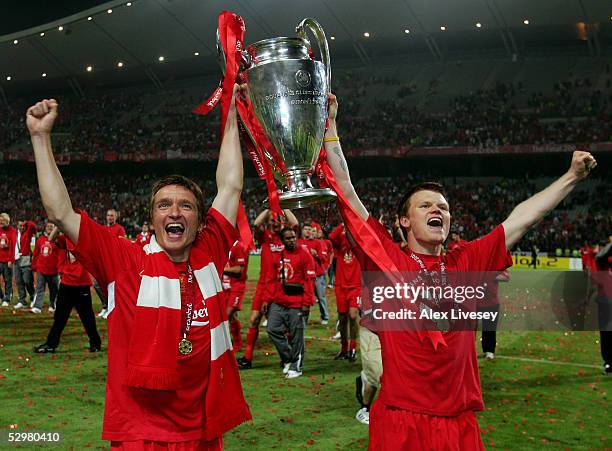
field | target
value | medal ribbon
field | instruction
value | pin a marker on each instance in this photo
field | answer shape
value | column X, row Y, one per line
column 188, row 291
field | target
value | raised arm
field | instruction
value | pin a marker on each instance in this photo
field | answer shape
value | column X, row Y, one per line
column 56, row 201
column 262, row 218
column 337, row 162
column 532, row 210
column 53, row 236
column 291, row 219
column 229, row 167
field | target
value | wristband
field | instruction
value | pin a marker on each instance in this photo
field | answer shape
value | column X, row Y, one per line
column 328, row 139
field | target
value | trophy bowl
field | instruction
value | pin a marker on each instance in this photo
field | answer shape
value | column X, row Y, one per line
column 288, row 91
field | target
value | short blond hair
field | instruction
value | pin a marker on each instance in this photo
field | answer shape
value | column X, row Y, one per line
column 5, row 216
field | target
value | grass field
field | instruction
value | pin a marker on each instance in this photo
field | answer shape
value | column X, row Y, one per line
column 545, row 390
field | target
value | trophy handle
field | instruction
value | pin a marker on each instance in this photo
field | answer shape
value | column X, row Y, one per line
column 220, row 54
column 317, row 30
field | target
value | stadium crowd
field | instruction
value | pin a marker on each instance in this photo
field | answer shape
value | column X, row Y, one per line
column 477, row 205
column 133, row 124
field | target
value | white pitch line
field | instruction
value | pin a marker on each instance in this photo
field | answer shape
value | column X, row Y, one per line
column 520, row 359
column 550, row 362
column 321, row 339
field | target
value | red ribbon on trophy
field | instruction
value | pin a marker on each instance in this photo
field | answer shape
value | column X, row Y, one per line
column 231, row 37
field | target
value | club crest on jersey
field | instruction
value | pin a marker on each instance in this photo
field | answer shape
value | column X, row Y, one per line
column 288, row 271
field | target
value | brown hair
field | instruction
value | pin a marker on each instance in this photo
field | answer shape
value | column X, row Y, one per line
column 185, row 183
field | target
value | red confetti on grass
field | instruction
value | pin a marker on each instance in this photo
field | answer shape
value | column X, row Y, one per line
column 310, row 442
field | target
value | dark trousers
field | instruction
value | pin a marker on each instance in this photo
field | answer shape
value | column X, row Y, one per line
column 78, row 297
column 604, row 313
column 7, row 275
column 24, row 279
column 100, row 293
column 52, row 281
column 280, row 321
column 489, row 329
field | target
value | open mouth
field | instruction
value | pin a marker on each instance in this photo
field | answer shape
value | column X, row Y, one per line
column 175, row 230
column 435, row 224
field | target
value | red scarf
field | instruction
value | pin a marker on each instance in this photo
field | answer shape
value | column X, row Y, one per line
column 152, row 357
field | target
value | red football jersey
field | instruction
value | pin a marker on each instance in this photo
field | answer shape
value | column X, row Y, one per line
column 116, row 230
column 142, row 239
column 454, row 245
column 71, row 271
column 45, row 257
column 416, row 377
column 348, row 272
column 25, row 238
column 588, row 258
column 298, row 267
column 320, row 255
column 137, row 414
column 238, row 256
column 8, row 237
column 271, row 247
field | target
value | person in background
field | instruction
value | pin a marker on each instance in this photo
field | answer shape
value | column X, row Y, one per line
column 24, row 278
column 74, row 292
column 8, row 237
column 45, row 263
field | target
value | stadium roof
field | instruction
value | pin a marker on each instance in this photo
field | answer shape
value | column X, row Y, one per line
column 136, row 34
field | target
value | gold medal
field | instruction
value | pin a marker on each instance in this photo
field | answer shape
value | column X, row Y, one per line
column 185, row 347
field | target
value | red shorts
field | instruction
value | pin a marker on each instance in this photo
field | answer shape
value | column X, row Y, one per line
column 234, row 297
column 394, row 429
column 347, row 298
column 259, row 297
column 150, row 445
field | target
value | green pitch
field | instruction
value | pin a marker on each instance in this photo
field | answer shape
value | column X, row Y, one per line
column 545, row 390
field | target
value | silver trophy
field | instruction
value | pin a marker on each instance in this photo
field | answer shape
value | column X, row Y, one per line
column 288, row 90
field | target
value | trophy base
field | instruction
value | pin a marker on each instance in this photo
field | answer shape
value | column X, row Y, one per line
column 302, row 199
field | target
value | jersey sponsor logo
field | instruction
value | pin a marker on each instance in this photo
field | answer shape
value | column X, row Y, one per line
column 277, row 247
column 200, row 317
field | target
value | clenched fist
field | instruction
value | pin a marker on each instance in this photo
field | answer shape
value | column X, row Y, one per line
column 582, row 164
column 332, row 107
column 41, row 117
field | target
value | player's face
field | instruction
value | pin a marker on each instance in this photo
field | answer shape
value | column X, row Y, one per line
column 49, row 228
column 111, row 217
column 3, row 222
column 21, row 226
column 306, row 232
column 275, row 226
column 145, row 228
column 175, row 220
column 428, row 217
column 288, row 240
